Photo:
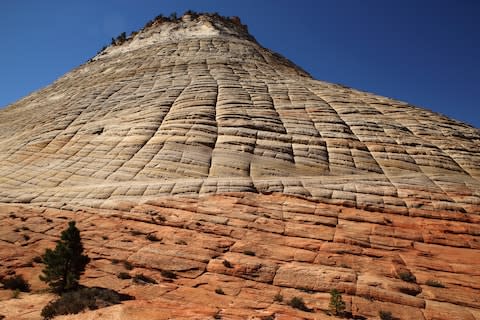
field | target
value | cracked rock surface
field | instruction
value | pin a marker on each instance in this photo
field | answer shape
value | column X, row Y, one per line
column 255, row 248
column 253, row 177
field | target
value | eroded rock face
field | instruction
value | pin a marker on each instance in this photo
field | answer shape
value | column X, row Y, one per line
column 176, row 111
column 191, row 149
column 241, row 243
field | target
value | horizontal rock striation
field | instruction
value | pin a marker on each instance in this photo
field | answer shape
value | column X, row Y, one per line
column 261, row 251
column 197, row 107
column 237, row 182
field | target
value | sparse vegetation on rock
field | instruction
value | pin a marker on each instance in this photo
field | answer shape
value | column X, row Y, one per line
column 385, row 315
column 227, row 264
column 127, row 265
column 298, row 303
column 16, row 282
column 412, row 291
column 152, row 237
column 140, row 278
column 336, row 305
column 249, row 253
column 407, row 276
column 15, row 294
column 168, row 274
column 85, row 298
column 278, row 298
column 434, row 283
column 124, row 275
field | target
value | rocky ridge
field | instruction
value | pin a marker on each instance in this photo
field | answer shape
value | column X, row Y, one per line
column 193, row 132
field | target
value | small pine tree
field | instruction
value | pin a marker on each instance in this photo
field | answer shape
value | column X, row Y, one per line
column 65, row 264
column 337, row 305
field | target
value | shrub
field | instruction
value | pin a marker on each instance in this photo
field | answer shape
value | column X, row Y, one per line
column 168, row 274
column 337, row 305
column 65, row 264
column 249, row 253
column 143, row 279
column 278, row 298
column 15, row 294
column 227, row 264
column 136, row 233
column 385, row 315
column 219, row 291
column 86, row 298
column 297, row 303
column 410, row 291
column 124, row 276
column 152, row 237
column 37, row 259
column 407, row 276
column 160, row 218
column 127, row 265
column 122, row 37
column 16, row 282
column 435, row 283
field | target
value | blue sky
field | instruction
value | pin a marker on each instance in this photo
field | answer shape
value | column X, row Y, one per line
column 423, row 52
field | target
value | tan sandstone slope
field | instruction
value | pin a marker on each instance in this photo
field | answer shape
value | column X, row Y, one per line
column 254, row 178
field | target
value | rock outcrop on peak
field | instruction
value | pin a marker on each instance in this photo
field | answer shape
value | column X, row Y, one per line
column 254, row 177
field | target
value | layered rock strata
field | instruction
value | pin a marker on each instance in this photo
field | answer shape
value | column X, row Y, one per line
column 208, row 162
column 197, row 107
column 261, row 251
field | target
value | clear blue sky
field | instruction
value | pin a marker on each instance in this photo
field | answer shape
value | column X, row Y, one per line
column 423, row 52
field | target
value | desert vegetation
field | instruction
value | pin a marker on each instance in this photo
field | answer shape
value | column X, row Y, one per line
column 15, row 282
column 76, row 301
column 65, row 264
column 336, row 305
column 63, row 267
column 298, row 303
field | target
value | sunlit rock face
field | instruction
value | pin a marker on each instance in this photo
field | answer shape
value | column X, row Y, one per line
column 192, row 131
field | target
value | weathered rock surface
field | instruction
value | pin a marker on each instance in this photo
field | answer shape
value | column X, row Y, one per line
column 254, row 178
column 197, row 107
column 217, row 242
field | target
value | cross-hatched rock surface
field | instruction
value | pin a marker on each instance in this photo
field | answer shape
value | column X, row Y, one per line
column 195, row 110
column 188, row 108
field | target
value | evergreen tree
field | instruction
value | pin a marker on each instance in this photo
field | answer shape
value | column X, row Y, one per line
column 65, row 264
column 337, row 305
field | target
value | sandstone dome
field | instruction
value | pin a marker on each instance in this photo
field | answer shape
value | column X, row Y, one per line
column 239, row 150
